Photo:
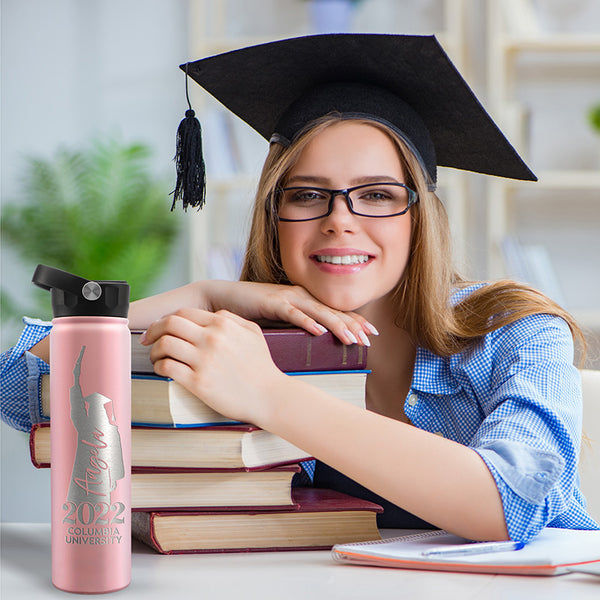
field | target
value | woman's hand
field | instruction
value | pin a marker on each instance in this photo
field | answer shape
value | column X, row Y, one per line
column 220, row 357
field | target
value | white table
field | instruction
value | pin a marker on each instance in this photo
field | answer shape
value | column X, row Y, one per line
column 25, row 574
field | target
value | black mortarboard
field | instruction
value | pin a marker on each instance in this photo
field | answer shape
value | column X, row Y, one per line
column 406, row 81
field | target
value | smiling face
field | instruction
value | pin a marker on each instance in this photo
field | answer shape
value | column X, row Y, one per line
column 346, row 261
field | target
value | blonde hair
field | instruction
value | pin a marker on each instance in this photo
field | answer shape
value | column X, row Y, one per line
column 422, row 297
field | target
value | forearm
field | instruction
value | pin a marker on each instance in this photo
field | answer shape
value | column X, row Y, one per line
column 193, row 295
column 441, row 481
column 245, row 299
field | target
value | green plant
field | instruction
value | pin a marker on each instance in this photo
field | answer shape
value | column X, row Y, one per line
column 594, row 117
column 96, row 212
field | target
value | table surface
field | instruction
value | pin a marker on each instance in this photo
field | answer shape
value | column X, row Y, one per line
column 25, row 574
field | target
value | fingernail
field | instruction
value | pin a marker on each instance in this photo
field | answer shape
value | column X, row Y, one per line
column 363, row 338
column 371, row 328
column 142, row 338
column 320, row 328
column 351, row 336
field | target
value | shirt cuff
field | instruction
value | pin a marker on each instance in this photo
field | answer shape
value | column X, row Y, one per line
column 36, row 367
column 529, row 472
column 524, row 477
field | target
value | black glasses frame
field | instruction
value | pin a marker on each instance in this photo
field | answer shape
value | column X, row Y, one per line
column 413, row 197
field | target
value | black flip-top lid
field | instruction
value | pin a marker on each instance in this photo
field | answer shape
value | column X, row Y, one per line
column 74, row 296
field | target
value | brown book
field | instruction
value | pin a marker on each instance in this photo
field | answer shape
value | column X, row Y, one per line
column 158, row 401
column 292, row 350
column 243, row 447
column 318, row 520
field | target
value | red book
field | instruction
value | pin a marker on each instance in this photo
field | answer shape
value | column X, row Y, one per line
column 318, row 520
column 241, row 447
column 292, row 350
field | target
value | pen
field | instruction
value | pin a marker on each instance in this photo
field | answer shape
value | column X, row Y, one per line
column 474, row 548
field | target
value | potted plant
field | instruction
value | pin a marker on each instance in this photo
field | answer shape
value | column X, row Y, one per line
column 96, row 212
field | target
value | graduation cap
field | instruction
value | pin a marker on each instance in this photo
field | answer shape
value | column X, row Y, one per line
column 407, row 82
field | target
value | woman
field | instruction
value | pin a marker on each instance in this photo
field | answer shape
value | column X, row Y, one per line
column 474, row 404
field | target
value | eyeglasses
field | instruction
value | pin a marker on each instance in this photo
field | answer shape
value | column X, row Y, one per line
column 369, row 200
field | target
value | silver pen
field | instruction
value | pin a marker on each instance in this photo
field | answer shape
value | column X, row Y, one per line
column 474, row 548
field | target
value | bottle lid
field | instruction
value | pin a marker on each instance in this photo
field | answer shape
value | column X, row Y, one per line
column 74, row 296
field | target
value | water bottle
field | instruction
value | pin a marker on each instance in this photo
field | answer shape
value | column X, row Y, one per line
column 90, row 433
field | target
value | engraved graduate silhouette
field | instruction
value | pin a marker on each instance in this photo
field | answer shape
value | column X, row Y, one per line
column 98, row 461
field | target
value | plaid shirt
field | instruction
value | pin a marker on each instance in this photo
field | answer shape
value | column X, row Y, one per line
column 514, row 398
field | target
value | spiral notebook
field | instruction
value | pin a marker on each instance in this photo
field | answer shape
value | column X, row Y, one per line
column 552, row 552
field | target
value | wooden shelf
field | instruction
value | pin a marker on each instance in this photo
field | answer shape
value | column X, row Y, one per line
column 561, row 180
column 514, row 29
column 552, row 43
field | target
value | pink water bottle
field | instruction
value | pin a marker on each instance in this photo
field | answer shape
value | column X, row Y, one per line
column 90, row 433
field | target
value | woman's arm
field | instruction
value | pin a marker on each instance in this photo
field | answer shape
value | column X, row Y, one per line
column 254, row 301
column 224, row 359
column 42, row 349
column 440, row 481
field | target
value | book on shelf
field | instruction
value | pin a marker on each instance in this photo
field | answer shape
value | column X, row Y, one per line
column 318, row 519
column 159, row 401
column 552, row 552
column 242, row 446
column 292, row 350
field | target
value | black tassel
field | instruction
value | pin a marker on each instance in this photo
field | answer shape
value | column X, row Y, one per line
column 190, row 187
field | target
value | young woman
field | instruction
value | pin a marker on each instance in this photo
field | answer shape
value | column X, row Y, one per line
column 474, row 417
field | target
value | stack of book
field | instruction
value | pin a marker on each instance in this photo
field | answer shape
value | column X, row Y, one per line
column 202, row 483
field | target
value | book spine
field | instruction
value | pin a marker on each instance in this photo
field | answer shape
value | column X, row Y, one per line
column 32, row 449
column 300, row 351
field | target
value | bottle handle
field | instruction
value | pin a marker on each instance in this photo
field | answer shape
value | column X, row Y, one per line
column 48, row 278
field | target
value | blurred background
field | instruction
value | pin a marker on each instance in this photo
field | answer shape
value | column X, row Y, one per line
column 92, row 96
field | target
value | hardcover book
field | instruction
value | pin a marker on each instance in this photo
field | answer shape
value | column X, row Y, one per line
column 211, row 489
column 215, row 489
column 158, row 401
column 318, row 520
column 291, row 348
column 243, row 447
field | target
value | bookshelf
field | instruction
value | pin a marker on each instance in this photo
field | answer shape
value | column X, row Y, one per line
column 221, row 25
column 514, row 35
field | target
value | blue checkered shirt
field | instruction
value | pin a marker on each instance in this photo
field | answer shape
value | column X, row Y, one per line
column 514, row 398
column 20, row 378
